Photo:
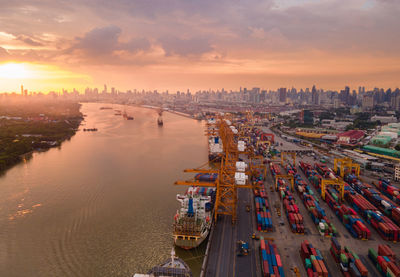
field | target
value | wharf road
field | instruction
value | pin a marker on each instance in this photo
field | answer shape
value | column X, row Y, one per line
column 223, row 260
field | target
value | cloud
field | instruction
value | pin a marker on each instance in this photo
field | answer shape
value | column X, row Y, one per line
column 29, row 41
column 3, row 53
column 136, row 44
column 185, row 47
column 99, row 41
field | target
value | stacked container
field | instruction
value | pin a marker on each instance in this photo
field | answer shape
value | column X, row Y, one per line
column 271, row 261
column 369, row 207
column 350, row 263
column 317, row 213
column 385, row 261
column 313, row 260
column 379, row 199
column 263, row 214
column 291, row 208
column 390, row 191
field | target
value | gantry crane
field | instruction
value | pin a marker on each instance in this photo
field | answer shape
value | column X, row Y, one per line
column 335, row 182
column 288, row 177
column 346, row 163
column 226, row 187
column 286, row 153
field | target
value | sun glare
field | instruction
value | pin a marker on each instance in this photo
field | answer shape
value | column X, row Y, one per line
column 14, row 71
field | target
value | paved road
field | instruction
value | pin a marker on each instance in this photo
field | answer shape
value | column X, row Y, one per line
column 223, row 260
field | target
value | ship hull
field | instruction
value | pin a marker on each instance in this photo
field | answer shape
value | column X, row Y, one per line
column 188, row 244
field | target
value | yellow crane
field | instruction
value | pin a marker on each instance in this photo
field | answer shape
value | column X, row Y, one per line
column 346, row 163
column 335, row 182
column 226, row 187
column 286, row 153
column 287, row 177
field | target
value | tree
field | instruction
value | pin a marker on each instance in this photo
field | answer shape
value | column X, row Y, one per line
column 397, row 147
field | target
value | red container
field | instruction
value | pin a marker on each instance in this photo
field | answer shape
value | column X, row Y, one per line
column 361, row 267
column 394, row 268
column 323, row 268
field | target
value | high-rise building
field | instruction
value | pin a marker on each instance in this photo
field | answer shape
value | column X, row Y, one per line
column 282, row 95
column 314, row 96
column 307, row 117
column 345, row 95
column 368, row 102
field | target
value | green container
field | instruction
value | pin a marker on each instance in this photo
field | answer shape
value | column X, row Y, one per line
column 372, row 253
column 312, row 257
column 308, row 263
column 282, row 194
column 334, row 229
column 344, row 259
column 355, row 256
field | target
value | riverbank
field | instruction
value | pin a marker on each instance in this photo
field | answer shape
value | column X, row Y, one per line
column 28, row 127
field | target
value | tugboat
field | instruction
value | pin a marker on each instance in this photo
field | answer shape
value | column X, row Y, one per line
column 174, row 267
column 159, row 119
column 126, row 116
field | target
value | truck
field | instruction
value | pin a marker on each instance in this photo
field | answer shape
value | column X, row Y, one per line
column 242, row 248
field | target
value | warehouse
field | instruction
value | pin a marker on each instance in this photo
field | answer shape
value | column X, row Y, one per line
column 350, row 137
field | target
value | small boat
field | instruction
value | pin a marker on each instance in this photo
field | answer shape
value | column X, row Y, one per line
column 105, row 108
column 90, row 129
column 126, row 116
column 174, row 266
column 160, row 121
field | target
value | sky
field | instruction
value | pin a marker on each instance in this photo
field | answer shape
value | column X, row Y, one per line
column 191, row 44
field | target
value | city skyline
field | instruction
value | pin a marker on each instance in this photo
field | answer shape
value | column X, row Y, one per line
column 183, row 45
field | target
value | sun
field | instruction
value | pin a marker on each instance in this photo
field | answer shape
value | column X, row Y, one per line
column 14, row 71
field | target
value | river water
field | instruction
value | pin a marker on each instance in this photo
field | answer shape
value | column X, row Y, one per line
column 103, row 203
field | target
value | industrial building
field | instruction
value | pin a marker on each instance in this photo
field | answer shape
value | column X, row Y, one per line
column 350, row 137
column 382, row 151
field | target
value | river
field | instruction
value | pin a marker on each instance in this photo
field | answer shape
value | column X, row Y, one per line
column 103, row 203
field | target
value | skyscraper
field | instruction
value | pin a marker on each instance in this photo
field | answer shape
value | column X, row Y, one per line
column 282, row 95
column 314, row 96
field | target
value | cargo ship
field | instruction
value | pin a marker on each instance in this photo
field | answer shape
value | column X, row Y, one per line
column 215, row 149
column 192, row 223
column 174, row 266
column 215, row 146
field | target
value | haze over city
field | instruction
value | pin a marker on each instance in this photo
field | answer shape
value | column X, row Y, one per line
column 180, row 45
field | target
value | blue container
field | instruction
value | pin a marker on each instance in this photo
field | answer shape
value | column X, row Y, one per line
column 280, row 269
column 264, row 255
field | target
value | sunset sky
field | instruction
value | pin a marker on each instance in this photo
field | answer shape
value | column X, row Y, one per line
column 179, row 44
